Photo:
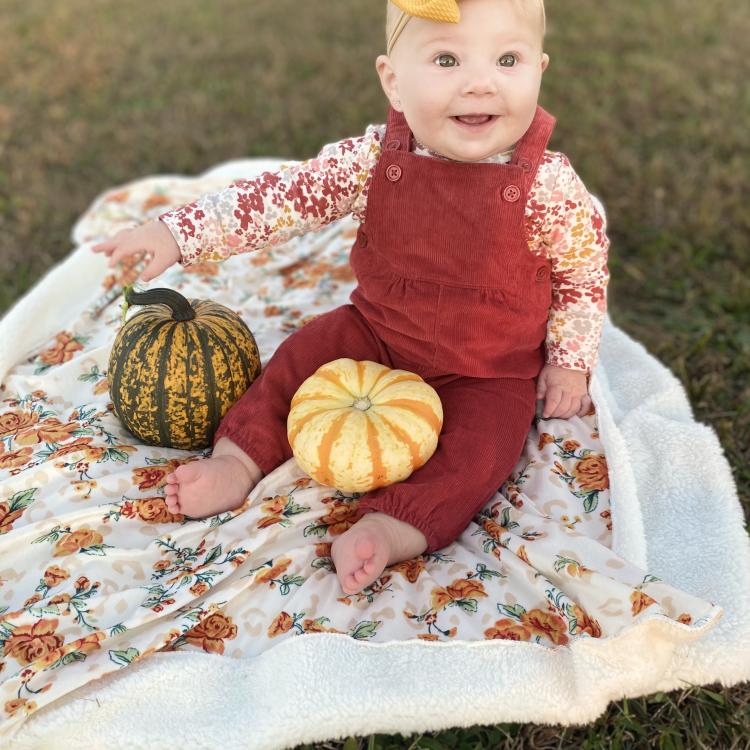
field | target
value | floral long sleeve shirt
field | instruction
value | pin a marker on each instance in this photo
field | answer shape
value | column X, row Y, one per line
column 562, row 224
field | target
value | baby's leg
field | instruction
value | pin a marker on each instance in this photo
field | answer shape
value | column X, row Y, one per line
column 252, row 440
column 486, row 423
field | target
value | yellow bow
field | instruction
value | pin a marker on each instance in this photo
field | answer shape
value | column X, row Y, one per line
column 433, row 10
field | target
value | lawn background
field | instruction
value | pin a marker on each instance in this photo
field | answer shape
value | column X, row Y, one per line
column 653, row 105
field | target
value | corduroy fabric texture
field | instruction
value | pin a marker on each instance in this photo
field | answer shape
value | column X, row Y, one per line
column 447, row 288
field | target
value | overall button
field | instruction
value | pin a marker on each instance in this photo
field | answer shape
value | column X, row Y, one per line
column 511, row 193
column 393, row 145
column 393, row 173
column 362, row 239
column 541, row 273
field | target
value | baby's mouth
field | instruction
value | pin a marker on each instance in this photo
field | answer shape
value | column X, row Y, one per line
column 474, row 119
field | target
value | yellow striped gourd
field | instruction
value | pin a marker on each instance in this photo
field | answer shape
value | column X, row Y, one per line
column 177, row 366
column 357, row 426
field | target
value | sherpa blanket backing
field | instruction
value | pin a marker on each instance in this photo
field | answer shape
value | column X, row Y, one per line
column 613, row 562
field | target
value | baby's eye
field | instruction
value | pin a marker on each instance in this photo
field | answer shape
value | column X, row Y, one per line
column 448, row 58
column 507, row 61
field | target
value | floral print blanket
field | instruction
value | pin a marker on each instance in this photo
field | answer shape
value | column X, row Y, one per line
column 97, row 575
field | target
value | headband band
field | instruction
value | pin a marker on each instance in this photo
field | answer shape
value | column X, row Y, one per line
column 433, row 10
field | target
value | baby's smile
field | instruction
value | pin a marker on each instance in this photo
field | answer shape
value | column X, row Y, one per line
column 474, row 122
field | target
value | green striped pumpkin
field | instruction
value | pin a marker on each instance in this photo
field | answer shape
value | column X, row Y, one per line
column 176, row 367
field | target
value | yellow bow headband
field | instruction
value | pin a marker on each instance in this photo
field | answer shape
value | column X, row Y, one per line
column 433, row 10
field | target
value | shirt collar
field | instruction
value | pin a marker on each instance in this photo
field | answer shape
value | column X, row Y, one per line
column 421, row 150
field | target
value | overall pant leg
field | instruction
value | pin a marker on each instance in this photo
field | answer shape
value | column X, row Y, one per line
column 485, row 425
column 257, row 422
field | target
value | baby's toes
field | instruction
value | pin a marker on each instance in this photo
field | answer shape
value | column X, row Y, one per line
column 187, row 472
column 172, row 503
column 365, row 572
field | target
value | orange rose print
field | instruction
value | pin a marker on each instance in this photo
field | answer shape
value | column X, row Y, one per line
column 81, row 444
column 12, row 706
column 460, row 589
column 493, row 528
column 281, row 624
column 211, row 632
column 508, row 630
column 7, row 517
column 146, row 477
column 54, row 576
column 410, row 569
column 51, row 430
column 640, row 601
column 340, row 517
column 13, row 422
column 544, row 439
column 77, row 540
column 85, row 645
column 203, row 269
column 28, row 643
column 323, row 549
column 548, row 624
column 62, row 350
column 275, row 504
column 15, row 459
column 591, row 472
column 153, row 510
column 155, row 200
column 270, row 573
column 586, row 624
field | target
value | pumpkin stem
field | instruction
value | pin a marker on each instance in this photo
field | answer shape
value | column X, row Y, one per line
column 181, row 308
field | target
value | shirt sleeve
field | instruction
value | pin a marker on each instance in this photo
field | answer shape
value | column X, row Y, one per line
column 272, row 208
column 577, row 247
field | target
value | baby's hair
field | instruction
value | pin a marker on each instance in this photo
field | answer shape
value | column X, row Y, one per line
column 530, row 7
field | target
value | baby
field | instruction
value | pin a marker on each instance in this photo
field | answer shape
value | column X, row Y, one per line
column 480, row 261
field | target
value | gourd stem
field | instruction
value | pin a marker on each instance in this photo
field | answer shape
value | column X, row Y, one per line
column 181, row 308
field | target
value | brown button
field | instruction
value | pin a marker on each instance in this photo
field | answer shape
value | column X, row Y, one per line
column 541, row 273
column 511, row 193
column 393, row 145
column 362, row 238
column 393, row 173
column 524, row 163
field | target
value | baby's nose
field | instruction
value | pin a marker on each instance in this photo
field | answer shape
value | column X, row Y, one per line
column 481, row 82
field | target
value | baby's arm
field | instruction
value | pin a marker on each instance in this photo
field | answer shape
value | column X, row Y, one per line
column 577, row 249
column 250, row 214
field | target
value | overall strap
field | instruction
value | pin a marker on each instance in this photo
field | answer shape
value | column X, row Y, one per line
column 530, row 149
column 397, row 132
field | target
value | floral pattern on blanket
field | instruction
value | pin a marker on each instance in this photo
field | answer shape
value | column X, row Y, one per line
column 97, row 574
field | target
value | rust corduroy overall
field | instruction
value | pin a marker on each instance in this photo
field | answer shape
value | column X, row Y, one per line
column 447, row 288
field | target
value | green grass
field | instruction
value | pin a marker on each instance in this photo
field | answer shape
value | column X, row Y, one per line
column 653, row 105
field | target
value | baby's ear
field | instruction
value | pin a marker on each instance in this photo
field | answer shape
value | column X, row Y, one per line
column 545, row 61
column 387, row 76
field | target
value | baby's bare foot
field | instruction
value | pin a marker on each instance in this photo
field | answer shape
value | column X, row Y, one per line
column 205, row 488
column 362, row 552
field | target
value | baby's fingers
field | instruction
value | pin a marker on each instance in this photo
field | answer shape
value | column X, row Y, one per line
column 122, row 251
column 154, row 268
column 586, row 405
column 104, row 247
column 552, row 400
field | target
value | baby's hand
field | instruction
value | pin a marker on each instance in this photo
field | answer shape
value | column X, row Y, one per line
column 153, row 238
column 564, row 391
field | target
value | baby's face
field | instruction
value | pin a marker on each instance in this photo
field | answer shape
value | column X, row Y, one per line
column 490, row 63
